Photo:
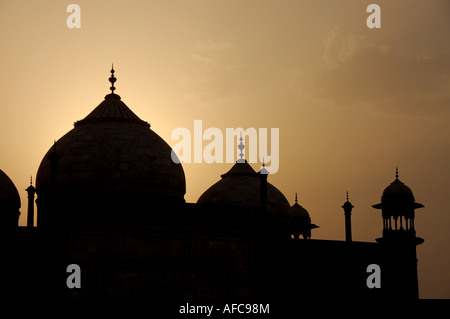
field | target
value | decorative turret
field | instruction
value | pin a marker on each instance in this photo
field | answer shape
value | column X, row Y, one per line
column 398, row 211
column 399, row 240
column 301, row 221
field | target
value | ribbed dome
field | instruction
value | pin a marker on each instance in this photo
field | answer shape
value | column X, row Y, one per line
column 9, row 196
column 241, row 186
column 112, row 149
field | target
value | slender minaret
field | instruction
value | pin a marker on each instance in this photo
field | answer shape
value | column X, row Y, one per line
column 348, row 219
column 31, row 192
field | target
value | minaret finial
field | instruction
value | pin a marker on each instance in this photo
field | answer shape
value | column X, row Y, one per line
column 396, row 172
column 296, row 200
column 112, row 79
column 31, row 180
column 347, row 196
column 241, row 147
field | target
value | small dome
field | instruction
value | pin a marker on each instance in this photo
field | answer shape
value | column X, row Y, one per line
column 298, row 210
column 9, row 196
column 241, row 186
column 397, row 188
column 398, row 196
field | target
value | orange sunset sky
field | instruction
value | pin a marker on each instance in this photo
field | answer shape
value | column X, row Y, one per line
column 351, row 103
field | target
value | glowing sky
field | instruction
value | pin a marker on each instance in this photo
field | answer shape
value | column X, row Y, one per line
column 351, row 103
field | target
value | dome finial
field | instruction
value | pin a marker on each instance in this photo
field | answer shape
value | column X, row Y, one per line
column 112, row 79
column 396, row 172
column 296, row 200
column 263, row 169
column 241, row 147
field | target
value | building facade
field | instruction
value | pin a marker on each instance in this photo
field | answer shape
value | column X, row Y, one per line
column 110, row 199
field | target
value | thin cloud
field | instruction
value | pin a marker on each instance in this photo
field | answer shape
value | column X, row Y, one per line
column 212, row 45
column 201, row 58
column 391, row 82
column 339, row 47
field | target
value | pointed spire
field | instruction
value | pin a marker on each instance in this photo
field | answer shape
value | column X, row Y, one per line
column 263, row 169
column 241, row 147
column 347, row 204
column 31, row 187
column 112, row 79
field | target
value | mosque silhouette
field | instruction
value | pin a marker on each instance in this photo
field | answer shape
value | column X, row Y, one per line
column 110, row 199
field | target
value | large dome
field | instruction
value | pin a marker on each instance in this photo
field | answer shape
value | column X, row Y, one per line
column 9, row 196
column 112, row 151
column 241, row 186
column 9, row 202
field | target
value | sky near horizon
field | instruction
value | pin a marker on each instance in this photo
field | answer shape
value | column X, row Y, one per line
column 350, row 103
